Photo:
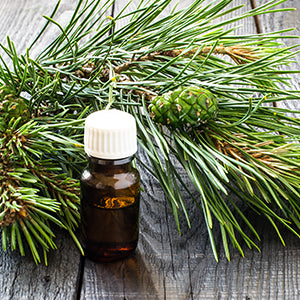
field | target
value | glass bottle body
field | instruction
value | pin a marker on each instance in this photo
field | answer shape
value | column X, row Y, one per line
column 110, row 199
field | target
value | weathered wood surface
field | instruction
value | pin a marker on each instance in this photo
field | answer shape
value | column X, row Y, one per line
column 166, row 265
column 282, row 20
column 20, row 278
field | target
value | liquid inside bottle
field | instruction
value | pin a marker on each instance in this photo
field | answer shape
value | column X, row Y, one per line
column 110, row 197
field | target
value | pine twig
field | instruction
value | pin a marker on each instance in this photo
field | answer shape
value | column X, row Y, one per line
column 240, row 54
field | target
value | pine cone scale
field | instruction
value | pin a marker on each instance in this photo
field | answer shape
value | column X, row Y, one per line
column 188, row 106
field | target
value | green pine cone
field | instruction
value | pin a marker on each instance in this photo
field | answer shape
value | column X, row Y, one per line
column 190, row 106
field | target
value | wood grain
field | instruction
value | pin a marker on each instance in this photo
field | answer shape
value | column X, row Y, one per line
column 165, row 265
column 23, row 20
column 20, row 278
column 281, row 20
column 248, row 25
column 169, row 266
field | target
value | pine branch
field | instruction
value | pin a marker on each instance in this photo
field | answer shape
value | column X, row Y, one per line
column 238, row 53
column 152, row 55
column 34, row 190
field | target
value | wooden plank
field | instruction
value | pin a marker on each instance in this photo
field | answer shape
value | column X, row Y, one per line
column 169, row 266
column 159, row 268
column 284, row 20
column 166, row 266
column 23, row 20
column 248, row 25
column 271, row 274
column 163, row 267
column 20, row 277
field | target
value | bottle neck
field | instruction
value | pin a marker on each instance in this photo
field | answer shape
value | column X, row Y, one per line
column 110, row 165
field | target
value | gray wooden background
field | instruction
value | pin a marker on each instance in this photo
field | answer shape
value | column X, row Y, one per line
column 166, row 265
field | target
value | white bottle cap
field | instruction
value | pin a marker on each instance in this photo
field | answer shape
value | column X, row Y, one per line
column 110, row 134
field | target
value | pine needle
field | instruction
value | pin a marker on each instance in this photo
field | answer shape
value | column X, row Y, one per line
column 250, row 149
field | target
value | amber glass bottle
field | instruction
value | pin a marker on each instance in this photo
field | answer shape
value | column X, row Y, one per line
column 110, row 187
